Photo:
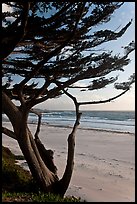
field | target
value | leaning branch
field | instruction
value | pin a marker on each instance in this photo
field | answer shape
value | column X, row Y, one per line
column 39, row 122
column 71, row 147
column 103, row 101
column 46, row 155
column 9, row 133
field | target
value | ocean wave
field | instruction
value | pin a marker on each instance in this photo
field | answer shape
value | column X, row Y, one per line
column 91, row 123
column 112, row 122
column 109, row 120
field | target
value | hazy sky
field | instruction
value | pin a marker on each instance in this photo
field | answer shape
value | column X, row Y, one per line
column 126, row 102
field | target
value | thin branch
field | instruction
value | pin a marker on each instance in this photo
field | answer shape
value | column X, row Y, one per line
column 74, row 100
column 39, row 122
column 78, row 87
column 51, row 93
column 36, row 112
column 12, row 134
column 103, row 101
column 89, row 73
column 71, row 146
column 58, row 14
column 41, row 90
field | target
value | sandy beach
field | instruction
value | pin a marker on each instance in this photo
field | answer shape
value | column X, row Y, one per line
column 104, row 168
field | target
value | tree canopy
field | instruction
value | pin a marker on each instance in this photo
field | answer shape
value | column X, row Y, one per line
column 54, row 42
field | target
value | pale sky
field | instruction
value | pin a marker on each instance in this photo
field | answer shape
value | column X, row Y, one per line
column 126, row 102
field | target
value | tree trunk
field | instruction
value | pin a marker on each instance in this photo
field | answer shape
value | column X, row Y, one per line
column 44, row 177
column 40, row 160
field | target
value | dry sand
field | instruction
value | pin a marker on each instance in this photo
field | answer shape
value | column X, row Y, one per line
column 104, row 168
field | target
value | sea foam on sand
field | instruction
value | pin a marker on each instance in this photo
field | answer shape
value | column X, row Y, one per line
column 104, row 169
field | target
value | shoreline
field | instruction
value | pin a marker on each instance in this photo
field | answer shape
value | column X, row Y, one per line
column 104, row 168
column 81, row 128
column 88, row 128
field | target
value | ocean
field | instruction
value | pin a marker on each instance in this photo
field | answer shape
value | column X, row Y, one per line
column 123, row 121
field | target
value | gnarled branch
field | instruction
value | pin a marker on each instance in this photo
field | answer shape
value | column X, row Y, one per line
column 71, row 146
column 39, row 122
column 46, row 155
column 9, row 133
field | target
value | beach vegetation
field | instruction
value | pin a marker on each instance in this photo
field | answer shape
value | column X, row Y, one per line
column 14, row 177
column 36, row 197
column 47, row 49
column 18, row 184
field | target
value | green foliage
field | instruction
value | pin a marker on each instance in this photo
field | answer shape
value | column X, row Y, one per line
column 36, row 197
column 16, row 197
column 41, row 197
column 14, row 178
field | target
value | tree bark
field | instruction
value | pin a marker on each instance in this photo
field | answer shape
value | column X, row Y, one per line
column 43, row 176
column 40, row 160
column 64, row 182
